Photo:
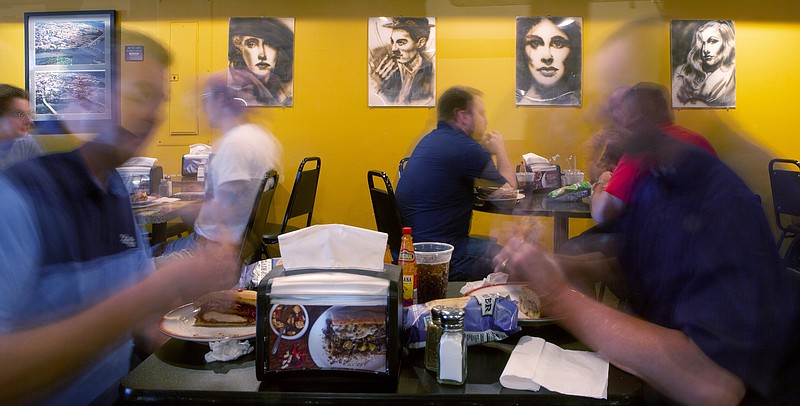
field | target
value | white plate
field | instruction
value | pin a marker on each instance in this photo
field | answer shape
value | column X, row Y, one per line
column 520, row 196
column 151, row 200
column 512, row 290
column 179, row 323
column 289, row 337
column 317, row 348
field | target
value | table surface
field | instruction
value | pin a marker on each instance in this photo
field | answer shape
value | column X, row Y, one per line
column 177, row 372
column 535, row 204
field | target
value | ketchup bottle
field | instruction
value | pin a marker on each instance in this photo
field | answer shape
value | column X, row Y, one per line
column 408, row 262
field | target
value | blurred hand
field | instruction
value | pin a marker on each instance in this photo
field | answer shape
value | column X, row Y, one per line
column 212, row 266
column 524, row 260
column 493, row 142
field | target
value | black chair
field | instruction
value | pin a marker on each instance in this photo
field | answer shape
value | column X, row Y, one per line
column 401, row 167
column 301, row 202
column 785, row 184
column 384, row 205
column 251, row 250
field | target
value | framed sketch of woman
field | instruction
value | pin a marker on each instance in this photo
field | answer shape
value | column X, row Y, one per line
column 548, row 61
column 703, row 63
column 261, row 60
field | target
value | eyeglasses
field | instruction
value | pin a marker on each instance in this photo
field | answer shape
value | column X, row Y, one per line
column 21, row 114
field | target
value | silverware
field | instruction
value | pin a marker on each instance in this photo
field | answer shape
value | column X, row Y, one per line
column 278, row 341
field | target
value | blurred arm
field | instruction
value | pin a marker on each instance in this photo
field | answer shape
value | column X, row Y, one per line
column 493, row 142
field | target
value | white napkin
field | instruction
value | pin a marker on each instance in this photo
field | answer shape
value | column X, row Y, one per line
column 199, row 149
column 332, row 246
column 531, row 158
column 494, row 278
column 227, row 350
column 535, row 362
column 140, row 161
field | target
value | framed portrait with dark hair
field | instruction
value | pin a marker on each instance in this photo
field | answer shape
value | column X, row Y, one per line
column 402, row 61
column 261, row 60
column 70, row 71
column 703, row 62
column 549, row 61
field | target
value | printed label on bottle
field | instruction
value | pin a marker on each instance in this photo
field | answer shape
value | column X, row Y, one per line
column 409, row 290
column 405, row 256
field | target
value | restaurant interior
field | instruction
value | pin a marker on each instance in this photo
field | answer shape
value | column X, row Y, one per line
column 624, row 42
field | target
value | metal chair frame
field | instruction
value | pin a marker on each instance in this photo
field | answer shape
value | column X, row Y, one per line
column 384, row 206
column 301, row 201
column 785, row 186
column 251, row 250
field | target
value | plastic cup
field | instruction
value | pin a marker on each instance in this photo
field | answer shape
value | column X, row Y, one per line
column 573, row 176
column 433, row 270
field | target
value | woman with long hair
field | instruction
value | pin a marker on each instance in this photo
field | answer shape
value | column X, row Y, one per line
column 708, row 78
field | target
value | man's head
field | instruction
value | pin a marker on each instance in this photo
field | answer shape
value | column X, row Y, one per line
column 644, row 103
column 262, row 45
column 15, row 112
column 462, row 107
column 221, row 101
column 409, row 37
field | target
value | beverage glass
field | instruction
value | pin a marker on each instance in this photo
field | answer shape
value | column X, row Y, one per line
column 433, row 270
column 573, row 176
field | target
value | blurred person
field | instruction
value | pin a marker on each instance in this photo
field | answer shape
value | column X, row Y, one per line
column 708, row 78
column 436, row 191
column 548, row 61
column 16, row 143
column 261, row 60
column 76, row 279
column 641, row 105
column 242, row 155
column 714, row 315
column 405, row 74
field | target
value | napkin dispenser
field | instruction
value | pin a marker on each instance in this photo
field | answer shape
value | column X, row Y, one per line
column 329, row 329
column 540, row 177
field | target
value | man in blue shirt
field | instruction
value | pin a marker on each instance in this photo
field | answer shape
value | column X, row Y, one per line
column 76, row 280
column 435, row 192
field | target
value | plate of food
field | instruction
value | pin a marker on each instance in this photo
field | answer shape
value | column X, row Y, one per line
column 138, row 201
column 498, row 194
column 292, row 320
column 527, row 301
column 350, row 337
column 222, row 315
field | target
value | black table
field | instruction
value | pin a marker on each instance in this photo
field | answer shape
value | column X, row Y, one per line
column 177, row 373
column 537, row 204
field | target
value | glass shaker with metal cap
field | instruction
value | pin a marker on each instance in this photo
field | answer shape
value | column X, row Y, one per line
column 433, row 333
column 452, row 348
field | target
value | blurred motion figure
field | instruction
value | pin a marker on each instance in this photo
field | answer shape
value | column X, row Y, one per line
column 16, row 143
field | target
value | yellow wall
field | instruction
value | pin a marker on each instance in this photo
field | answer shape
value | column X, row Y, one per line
column 624, row 42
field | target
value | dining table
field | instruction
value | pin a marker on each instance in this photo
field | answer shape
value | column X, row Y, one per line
column 177, row 372
column 537, row 203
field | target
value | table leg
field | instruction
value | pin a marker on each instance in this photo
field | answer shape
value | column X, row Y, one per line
column 158, row 233
column 560, row 231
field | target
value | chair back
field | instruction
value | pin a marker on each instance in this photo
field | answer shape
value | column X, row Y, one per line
column 384, row 205
column 785, row 184
column 304, row 192
column 251, row 243
column 401, row 166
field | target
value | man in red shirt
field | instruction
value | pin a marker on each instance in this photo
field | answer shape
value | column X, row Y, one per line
column 643, row 104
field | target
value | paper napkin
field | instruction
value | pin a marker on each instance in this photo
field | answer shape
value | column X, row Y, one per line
column 333, row 246
column 494, row 278
column 535, row 363
column 227, row 350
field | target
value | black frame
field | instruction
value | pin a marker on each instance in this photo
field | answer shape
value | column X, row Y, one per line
column 95, row 70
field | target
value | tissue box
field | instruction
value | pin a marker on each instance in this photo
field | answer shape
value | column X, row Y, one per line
column 190, row 163
column 329, row 330
column 540, row 177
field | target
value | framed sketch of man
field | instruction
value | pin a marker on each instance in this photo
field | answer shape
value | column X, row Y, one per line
column 402, row 61
column 548, row 61
column 261, row 60
column 703, row 59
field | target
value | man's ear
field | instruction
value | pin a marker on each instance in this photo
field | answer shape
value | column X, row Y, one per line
column 421, row 43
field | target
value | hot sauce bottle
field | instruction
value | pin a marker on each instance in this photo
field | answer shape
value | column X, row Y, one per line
column 408, row 262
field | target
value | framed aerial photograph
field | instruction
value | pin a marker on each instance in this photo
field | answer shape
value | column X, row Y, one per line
column 548, row 61
column 402, row 61
column 70, row 73
column 703, row 59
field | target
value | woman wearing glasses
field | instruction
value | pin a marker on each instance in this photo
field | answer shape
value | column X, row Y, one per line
column 16, row 144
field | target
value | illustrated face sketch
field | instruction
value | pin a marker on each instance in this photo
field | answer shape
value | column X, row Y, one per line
column 404, row 49
column 547, row 48
column 712, row 46
column 259, row 57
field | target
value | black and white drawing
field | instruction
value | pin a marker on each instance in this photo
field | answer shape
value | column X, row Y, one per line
column 703, row 63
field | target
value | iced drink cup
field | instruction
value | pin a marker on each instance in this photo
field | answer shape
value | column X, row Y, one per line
column 433, row 269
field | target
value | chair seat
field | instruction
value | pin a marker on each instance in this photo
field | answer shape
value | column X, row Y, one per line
column 273, row 230
column 793, row 228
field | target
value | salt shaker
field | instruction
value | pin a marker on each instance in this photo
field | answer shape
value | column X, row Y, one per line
column 434, row 332
column 452, row 348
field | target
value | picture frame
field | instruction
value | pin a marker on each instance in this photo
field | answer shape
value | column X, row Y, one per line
column 398, row 47
column 70, row 69
column 703, row 64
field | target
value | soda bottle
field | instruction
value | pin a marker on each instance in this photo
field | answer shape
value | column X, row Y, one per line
column 408, row 262
column 387, row 256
